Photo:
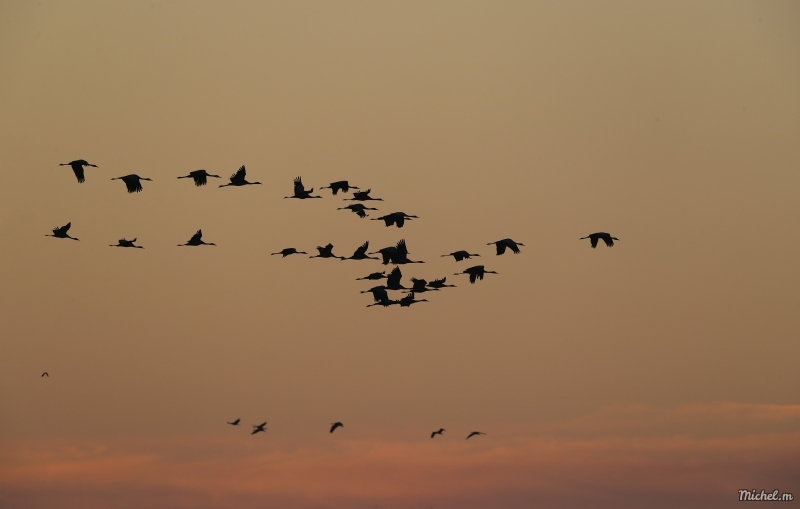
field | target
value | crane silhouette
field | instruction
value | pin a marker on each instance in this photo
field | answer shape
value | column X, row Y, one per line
column 441, row 430
column 236, row 422
column 335, row 425
column 363, row 196
column 361, row 253
column 409, row 299
column 393, row 280
column 289, row 251
column 200, row 177
column 60, row 232
column 238, row 179
column 300, row 192
column 395, row 218
column 421, row 286
column 326, row 252
column 259, row 428
column 439, row 283
column 606, row 237
column 378, row 293
column 374, row 276
column 341, row 185
column 476, row 272
column 384, row 302
column 501, row 246
column 474, row 433
column 77, row 168
column 397, row 254
column 132, row 182
column 197, row 240
column 358, row 208
column 126, row 243
column 46, row 374
column 460, row 255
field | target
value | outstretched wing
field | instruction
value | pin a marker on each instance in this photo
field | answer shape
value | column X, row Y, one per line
column 298, row 186
column 594, row 240
column 239, row 175
column 361, row 251
column 196, row 237
column 78, row 170
column 199, row 177
column 608, row 240
column 394, row 277
column 401, row 247
column 512, row 245
column 501, row 247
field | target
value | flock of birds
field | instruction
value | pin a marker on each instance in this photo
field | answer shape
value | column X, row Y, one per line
column 396, row 255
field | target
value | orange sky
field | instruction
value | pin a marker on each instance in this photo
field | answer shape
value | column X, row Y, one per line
column 663, row 368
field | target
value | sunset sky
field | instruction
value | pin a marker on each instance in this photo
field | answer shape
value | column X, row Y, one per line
column 660, row 373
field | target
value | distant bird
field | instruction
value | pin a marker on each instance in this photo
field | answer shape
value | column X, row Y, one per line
column 395, row 218
column 132, row 182
column 238, row 179
column 258, row 427
column 300, row 192
column 363, row 196
column 460, row 255
column 607, row 238
column 374, row 276
column 197, row 240
column 358, row 208
column 77, row 168
column 474, row 433
column 378, row 293
column 421, row 286
column 501, row 246
column 61, row 232
column 476, row 272
column 439, row 283
column 393, row 280
column 125, row 243
column 236, row 422
column 289, row 251
column 341, row 185
column 361, row 253
column 326, row 252
column 200, row 177
column 409, row 299
column 46, row 374
column 441, row 430
column 385, row 302
column 335, row 425
column 397, row 254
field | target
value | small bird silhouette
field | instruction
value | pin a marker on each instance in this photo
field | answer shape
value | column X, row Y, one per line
column 236, row 422
column 374, row 276
column 395, row 218
column 60, row 232
column 200, row 177
column 125, row 243
column 341, row 185
column 326, row 252
column 358, row 208
column 335, row 425
column 258, row 428
column 409, row 299
column 385, row 302
column 378, row 293
column 397, row 254
column 363, row 196
column 77, row 168
column 476, row 272
column 361, row 253
column 238, row 179
column 441, row 430
column 197, row 240
column 606, row 237
column 474, row 433
column 289, row 251
column 421, row 286
column 132, row 182
column 300, row 192
column 501, row 246
column 46, row 374
column 460, row 255
column 439, row 283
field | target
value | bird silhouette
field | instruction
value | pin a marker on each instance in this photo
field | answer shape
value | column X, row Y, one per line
column 46, row 374
column 385, row 302
column 300, row 192
column 476, row 272
column 238, row 179
column 335, row 425
column 358, row 208
column 441, row 430
column 77, row 168
column 361, row 253
column 409, row 299
column 439, row 283
column 363, row 196
column 125, row 243
column 341, row 185
column 374, row 276
column 474, row 433
column 378, row 293
column 289, row 251
column 606, row 237
column 236, row 422
column 200, row 177
column 393, row 280
column 460, row 255
column 132, row 182
column 501, row 246
column 421, row 286
column 197, row 240
column 60, row 232
column 395, row 218
column 259, row 428
column 326, row 252
column 397, row 254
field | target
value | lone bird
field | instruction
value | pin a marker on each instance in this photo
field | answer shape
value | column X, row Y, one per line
column 132, row 182
column 607, row 238
column 501, row 246
column 397, row 254
column 60, row 232
column 258, row 427
column 197, row 240
column 474, row 433
column 439, row 283
column 289, row 251
column 409, row 299
column 77, row 168
column 300, row 192
column 236, row 422
column 460, row 255
column 361, row 253
column 363, row 196
column 237, row 179
column 326, row 252
column 46, row 374
column 476, row 272
column 358, row 208
column 441, row 430
column 335, row 425
column 341, row 185
column 374, row 276
column 395, row 218
column 200, row 177
column 125, row 243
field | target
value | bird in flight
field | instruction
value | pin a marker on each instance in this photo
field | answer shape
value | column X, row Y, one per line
column 374, row 276
column 501, row 246
column 476, row 272
column 77, row 168
column 300, row 192
column 258, row 427
column 409, row 299
column 197, row 240
column 236, row 422
column 200, row 177
column 132, row 182
column 46, row 374
column 361, row 253
column 237, row 179
column 397, row 254
column 326, row 252
column 125, row 243
column 439, row 283
column 393, row 280
column 395, row 218
column 441, row 430
column 60, row 232
column 460, row 255
column 363, row 196
column 358, row 208
column 474, row 433
column 289, row 251
column 606, row 237
column 341, row 185
column 378, row 293
column 335, row 425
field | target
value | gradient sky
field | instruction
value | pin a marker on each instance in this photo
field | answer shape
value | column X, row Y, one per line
column 660, row 373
